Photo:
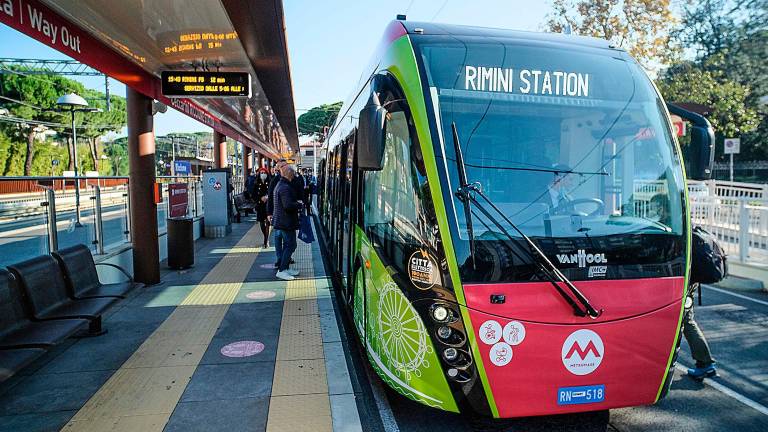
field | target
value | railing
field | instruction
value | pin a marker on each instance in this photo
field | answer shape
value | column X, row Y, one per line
column 736, row 213
column 42, row 214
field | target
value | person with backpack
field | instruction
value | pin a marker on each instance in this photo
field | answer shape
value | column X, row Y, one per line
column 708, row 265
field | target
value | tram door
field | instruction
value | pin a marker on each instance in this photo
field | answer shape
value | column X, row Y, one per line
column 342, row 210
column 349, row 209
column 333, row 205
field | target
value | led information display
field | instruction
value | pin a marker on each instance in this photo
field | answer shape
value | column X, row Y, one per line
column 206, row 84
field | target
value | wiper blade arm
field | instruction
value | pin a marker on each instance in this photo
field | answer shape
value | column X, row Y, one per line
column 464, row 191
column 548, row 268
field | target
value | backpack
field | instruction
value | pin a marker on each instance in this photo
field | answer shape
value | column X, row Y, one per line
column 708, row 259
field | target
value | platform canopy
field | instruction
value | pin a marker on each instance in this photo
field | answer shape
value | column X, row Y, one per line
column 134, row 41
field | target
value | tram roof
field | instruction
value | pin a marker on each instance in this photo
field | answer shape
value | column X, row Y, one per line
column 135, row 40
column 417, row 28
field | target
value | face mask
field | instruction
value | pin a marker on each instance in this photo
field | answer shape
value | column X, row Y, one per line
column 263, row 176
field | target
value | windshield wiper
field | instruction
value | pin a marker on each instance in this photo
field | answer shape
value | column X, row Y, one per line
column 462, row 192
column 466, row 193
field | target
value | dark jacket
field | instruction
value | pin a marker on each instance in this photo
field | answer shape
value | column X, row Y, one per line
column 286, row 207
column 270, row 199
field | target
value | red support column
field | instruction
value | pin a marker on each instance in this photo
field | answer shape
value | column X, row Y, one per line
column 141, row 156
column 260, row 160
column 219, row 150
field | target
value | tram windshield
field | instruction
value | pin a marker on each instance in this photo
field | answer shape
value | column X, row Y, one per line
column 570, row 144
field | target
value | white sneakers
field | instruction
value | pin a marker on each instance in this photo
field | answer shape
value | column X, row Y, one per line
column 287, row 275
column 284, row 275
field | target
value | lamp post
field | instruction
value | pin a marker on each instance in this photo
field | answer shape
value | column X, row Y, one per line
column 73, row 103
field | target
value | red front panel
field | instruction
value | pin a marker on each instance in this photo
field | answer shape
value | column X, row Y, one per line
column 531, row 349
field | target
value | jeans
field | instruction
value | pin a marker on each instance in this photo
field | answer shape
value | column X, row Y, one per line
column 285, row 245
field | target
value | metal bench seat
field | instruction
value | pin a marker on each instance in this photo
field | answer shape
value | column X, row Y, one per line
column 18, row 331
column 12, row 361
column 42, row 281
column 81, row 276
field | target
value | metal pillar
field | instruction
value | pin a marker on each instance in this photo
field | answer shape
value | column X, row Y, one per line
column 141, row 154
column 53, row 232
column 77, row 171
column 219, row 150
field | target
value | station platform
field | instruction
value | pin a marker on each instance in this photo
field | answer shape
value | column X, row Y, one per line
column 223, row 346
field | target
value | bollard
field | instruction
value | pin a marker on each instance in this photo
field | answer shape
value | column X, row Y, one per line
column 50, row 208
column 99, row 226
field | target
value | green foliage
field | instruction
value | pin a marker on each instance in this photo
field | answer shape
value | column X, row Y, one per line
column 33, row 98
column 313, row 121
column 729, row 71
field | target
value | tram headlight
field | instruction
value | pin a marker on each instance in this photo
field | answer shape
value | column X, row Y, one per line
column 450, row 354
column 441, row 313
column 444, row 332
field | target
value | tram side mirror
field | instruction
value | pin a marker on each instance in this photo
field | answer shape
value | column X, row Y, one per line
column 699, row 154
column 371, row 138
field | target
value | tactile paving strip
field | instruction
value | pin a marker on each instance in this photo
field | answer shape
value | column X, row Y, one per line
column 300, row 399
column 142, row 394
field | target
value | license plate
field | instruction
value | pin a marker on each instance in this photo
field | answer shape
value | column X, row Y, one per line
column 580, row 395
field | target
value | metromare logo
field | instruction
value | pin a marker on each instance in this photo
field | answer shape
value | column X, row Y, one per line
column 582, row 352
column 582, row 258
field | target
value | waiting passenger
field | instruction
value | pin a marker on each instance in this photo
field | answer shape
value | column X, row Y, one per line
column 261, row 196
column 285, row 219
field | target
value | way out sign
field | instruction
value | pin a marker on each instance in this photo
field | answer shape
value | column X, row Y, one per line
column 732, row 146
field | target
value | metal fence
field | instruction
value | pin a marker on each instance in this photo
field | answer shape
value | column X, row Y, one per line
column 737, row 213
column 51, row 213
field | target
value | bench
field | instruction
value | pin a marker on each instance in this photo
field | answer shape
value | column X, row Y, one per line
column 42, row 281
column 244, row 205
column 12, row 361
column 17, row 330
column 81, row 276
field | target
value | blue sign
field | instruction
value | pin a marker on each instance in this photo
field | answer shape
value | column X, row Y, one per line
column 580, row 395
column 182, row 167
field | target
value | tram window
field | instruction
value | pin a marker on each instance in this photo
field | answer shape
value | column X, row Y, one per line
column 394, row 197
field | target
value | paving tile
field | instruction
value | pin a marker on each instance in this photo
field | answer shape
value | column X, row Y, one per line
column 344, row 413
column 336, row 369
column 299, row 413
column 107, row 352
column 300, row 347
column 298, row 377
column 329, row 327
column 220, row 415
column 52, row 392
column 213, row 354
column 229, row 381
column 300, row 324
column 37, row 422
column 300, row 307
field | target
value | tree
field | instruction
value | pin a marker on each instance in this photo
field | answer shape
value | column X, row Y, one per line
column 33, row 98
column 96, row 124
column 642, row 27
column 730, row 117
column 315, row 120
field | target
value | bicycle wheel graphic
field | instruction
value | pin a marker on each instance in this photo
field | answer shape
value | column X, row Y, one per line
column 402, row 335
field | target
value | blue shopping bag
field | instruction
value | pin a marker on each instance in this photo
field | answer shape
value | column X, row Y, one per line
column 305, row 229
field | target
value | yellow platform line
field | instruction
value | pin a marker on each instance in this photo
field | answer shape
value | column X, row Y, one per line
column 143, row 393
column 299, row 400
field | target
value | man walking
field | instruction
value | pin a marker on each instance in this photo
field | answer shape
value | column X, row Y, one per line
column 285, row 220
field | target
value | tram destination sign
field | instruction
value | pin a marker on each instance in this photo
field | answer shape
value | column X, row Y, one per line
column 206, row 84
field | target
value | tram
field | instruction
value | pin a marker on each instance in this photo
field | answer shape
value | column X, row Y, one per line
column 506, row 216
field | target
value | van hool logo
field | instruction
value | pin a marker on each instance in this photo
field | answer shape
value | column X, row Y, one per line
column 582, row 258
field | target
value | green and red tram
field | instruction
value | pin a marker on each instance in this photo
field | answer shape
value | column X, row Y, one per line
column 506, row 215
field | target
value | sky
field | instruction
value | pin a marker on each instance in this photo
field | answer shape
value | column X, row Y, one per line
column 329, row 43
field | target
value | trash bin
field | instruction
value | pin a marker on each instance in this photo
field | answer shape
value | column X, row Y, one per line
column 181, row 244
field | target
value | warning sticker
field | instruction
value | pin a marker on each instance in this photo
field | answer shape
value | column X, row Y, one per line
column 422, row 270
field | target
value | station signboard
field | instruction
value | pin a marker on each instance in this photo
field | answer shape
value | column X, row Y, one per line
column 186, row 84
